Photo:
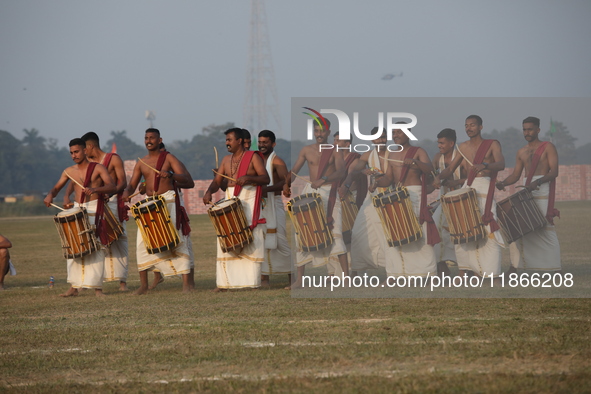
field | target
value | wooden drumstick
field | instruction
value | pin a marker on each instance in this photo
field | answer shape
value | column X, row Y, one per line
column 73, row 180
column 134, row 194
column 225, row 176
column 56, row 206
column 303, row 179
column 149, row 166
column 217, row 163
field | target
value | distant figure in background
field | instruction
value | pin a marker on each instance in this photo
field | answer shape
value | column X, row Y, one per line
column 5, row 264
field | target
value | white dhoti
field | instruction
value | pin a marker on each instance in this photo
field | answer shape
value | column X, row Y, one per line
column 445, row 250
column 277, row 253
column 237, row 270
column 483, row 257
column 88, row 271
column 538, row 250
column 321, row 257
column 416, row 258
column 368, row 238
column 171, row 262
column 116, row 255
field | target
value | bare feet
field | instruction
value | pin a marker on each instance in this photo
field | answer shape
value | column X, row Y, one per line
column 141, row 291
column 158, row 278
column 99, row 293
column 187, row 288
column 218, row 290
column 123, row 286
column 265, row 281
column 294, row 286
column 72, row 292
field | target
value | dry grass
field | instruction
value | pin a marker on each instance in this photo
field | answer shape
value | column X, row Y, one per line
column 266, row 340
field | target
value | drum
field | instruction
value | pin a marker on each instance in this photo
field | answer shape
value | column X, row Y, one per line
column 397, row 216
column 309, row 221
column 349, row 212
column 433, row 206
column 114, row 228
column 519, row 215
column 460, row 208
column 154, row 223
column 78, row 238
column 230, row 224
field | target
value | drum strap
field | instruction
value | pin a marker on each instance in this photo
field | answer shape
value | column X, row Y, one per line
column 99, row 219
column 182, row 219
column 359, row 179
column 159, row 164
column 488, row 217
column 121, row 207
column 551, row 211
column 242, row 170
column 424, row 212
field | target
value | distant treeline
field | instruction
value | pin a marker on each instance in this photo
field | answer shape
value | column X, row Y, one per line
column 34, row 164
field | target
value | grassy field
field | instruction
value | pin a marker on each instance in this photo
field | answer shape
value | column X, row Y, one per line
column 265, row 340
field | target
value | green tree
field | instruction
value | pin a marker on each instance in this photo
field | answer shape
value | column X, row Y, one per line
column 511, row 140
column 126, row 148
column 564, row 142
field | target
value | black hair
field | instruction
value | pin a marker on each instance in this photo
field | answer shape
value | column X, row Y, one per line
column 268, row 134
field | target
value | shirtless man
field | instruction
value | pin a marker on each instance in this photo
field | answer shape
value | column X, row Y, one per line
column 5, row 244
column 409, row 168
column 116, row 255
column 538, row 250
column 445, row 251
column 161, row 183
column 277, row 250
column 483, row 257
column 321, row 182
column 366, row 248
column 88, row 271
column 241, row 268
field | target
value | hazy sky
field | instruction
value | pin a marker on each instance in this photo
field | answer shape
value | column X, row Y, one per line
column 71, row 66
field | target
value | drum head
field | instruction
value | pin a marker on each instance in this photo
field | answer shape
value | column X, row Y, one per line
column 147, row 205
column 305, row 202
column 69, row 212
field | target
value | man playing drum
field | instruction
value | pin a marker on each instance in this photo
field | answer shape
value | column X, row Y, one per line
column 277, row 250
column 409, row 168
column 161, row 170
column 366, row 247
column 92, row 182
column 241, row 268
column 349, row 197
column 483, row 159
column 116, row 254
column 538, row 250
column 5, row 264
column 326, row 167
column 446, row 142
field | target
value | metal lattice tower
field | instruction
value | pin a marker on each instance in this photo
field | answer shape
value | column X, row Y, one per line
column 261, row 106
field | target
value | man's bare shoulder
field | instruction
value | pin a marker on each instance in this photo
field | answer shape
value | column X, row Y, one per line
column 278, row 161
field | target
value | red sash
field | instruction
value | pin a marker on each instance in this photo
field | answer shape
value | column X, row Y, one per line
column 551, row 211
column 182, row 219
column 242, row 170
column 488, row 217
column 332, row 196
column 359, row 179
column 121, row 207
column 424, row 212
column 99, row 218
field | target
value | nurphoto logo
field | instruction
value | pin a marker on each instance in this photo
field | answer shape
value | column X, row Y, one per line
column 344, row 128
